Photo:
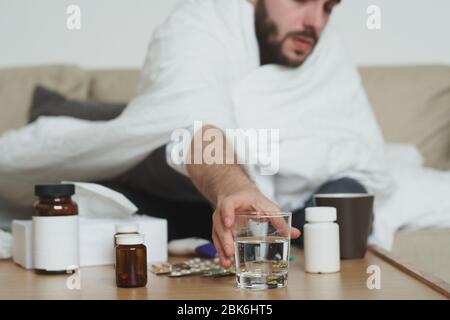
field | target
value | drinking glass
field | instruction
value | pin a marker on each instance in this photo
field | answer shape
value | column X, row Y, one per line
column 262, row 245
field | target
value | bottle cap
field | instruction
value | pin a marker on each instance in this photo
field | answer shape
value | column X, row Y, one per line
column 129, row 239
column 127, row 228
column 54, row 190
column 320, row 214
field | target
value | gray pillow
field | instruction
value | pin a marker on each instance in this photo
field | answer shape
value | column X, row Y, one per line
column 49, row 103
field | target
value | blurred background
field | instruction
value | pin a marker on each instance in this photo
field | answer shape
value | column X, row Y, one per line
column 116, row 33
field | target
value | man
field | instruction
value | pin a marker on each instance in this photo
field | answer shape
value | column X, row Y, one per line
column 287, row 32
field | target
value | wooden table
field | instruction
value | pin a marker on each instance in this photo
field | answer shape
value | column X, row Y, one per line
column 398, row 281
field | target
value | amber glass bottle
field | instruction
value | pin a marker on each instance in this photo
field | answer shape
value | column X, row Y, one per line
column 131, row 261
column 55, row 229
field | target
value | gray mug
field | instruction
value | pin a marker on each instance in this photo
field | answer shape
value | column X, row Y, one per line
column 354, row 217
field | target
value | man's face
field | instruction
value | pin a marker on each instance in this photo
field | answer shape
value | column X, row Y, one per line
column 288, row 30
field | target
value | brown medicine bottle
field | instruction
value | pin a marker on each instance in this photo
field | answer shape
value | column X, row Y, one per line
column 55, row 229
column 131, row 261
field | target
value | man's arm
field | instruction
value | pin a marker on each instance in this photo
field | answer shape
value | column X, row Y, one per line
column 229, row 189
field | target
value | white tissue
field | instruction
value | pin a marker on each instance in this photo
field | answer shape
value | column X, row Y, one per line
column 185, row 246
column 97, row 201
column 5, row 245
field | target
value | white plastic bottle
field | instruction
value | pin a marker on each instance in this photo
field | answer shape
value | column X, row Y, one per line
column 321, row 240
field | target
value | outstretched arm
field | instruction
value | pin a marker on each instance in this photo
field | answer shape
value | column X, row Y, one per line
column 229, row 189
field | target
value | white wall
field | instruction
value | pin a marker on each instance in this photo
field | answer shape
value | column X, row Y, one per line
column 413, row 31
column 115, row 33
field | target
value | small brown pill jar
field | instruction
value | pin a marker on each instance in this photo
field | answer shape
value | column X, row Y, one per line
column 125, row 229
column 131, row 261
column 55, row 229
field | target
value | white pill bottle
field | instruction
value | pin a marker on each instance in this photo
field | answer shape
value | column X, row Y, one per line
column 321, row 240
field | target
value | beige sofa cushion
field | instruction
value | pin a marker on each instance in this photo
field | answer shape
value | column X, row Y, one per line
column 17, row 86
column 115, row 86
column 412, row 105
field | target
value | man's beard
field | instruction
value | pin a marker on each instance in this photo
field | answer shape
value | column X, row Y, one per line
column 271, row 51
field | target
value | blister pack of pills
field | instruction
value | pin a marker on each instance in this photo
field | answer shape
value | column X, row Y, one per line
column 196, row 266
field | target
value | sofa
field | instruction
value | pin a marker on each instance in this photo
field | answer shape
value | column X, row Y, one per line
column 411, row 103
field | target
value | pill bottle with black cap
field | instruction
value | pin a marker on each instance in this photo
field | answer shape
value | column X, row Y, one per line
column 55, row 229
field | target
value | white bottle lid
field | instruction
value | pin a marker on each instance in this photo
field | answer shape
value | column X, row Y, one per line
column 127, row 228
column 320, row 214
column 129, row 239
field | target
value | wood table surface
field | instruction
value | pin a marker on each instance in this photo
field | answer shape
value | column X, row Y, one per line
column 99, row 283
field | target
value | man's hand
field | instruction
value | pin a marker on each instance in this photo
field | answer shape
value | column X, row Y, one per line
column 249, row 199
column 229, row 189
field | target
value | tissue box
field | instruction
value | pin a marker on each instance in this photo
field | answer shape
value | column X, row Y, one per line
column 22, row 250
column 96, row 240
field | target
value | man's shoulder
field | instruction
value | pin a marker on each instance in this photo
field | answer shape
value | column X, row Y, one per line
column 210, row 13
column 193, row 24
column 193, row 11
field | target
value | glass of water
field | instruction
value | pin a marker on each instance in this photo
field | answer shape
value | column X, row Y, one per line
column 262, row 245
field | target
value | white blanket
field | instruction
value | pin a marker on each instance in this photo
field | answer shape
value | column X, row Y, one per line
column 203, row 64
column 421, row 199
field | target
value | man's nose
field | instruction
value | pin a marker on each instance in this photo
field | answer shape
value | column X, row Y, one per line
column 315, row 17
